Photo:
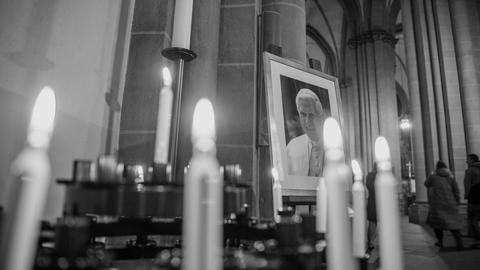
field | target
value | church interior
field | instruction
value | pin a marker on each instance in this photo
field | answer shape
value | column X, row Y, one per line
column 150, row 134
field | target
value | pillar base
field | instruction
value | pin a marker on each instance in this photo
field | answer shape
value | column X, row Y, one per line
column 417, row 213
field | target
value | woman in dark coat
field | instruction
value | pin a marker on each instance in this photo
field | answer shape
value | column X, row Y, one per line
column 443, row 198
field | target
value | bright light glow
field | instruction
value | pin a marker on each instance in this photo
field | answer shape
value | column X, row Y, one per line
column 405, row 124
column 203, row 126
column 43, row 116
column 140, row 176
column 238, row 170
column 275, row 174
column 357, row 171
column 167, row 78
column 332, row 136
column 382, row 152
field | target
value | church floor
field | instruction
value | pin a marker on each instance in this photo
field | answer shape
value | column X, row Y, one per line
column 421, row 253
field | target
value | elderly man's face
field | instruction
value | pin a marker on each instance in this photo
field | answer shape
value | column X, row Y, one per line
column 310, row 119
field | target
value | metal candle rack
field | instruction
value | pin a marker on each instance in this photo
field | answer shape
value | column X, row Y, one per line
column 108, row 187
column 181, row 55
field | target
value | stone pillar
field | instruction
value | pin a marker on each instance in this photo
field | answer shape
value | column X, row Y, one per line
column 437, row 93
column 414, row 93
column 451, row 92
column 375, row 82
column 200, row 75
column 236, row 93
column 438, row 125
column 352, row 111
column 280, row 19
column 292, row 37
column 466, row 34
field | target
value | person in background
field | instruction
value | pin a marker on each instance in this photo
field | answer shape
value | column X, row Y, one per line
column 371, row 208
column 305, row 152
column 472, row 194
column 443, row 199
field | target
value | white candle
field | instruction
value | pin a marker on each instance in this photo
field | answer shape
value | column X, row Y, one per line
column 164, row 119
column 277, row 195
column 321, row 209
column 339, row 251
column 359, row 212
column 182, row 24
column 387, row 209
column 203, row 196
column 31, row 172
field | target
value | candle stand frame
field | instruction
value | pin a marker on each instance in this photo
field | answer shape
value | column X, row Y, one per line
column 181, row 55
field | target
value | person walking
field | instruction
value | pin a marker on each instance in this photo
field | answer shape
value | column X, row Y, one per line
column 443, row 199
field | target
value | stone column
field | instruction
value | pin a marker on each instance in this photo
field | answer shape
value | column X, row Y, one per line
column 451, row 92
column 353, row 111
column 283, row 34
column 415, row 106
column 291, row 27
column 236, row 94
column 466, row 34
column 200, row 75
column 375, row 81
column 435, row 93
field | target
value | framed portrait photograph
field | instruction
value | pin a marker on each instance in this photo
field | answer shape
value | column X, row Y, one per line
column 299, row 99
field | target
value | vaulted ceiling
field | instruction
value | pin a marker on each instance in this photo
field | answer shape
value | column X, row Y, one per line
column 331, row 23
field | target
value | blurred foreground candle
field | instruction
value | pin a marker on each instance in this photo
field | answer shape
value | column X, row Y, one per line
column 277, row 195
column 31, row 172
column 182, row 24
column 387, row 209
column 164, row 119
column 339, row 245
column 359, row 212
column 321, row 207
column 203, row 196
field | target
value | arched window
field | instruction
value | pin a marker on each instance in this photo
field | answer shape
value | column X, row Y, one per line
column 319, row 54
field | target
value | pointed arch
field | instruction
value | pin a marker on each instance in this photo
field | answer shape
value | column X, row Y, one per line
column 331, row 57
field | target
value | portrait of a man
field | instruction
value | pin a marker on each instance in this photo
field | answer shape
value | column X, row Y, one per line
column 299, row 101
column 305, row 153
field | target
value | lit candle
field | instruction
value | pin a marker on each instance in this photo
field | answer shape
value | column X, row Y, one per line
column 182, row 24
column 387, row 209
column 164, row 118
column 339, row 251
column 31, row 170
column 321, row 210
column 203, row 196
column 277, row 195
column 359, row 212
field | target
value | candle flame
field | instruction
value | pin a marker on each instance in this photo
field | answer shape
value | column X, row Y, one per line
column 140, row 171
column 332, row 136
column 167, row 78
column 203, row 126
column 357, row 171
column 382, row 152
column 275, row 174
column 43, row 116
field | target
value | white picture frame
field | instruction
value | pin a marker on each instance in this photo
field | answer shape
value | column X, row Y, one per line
column 283, row 79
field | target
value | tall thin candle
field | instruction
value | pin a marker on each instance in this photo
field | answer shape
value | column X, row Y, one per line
column 277, row 195
column 164, row 119
column 31, row 172
column 321, row 206
column 182, row 24
column 387, row 209
column 339, row 251
column 359, row 212
column 203, row 197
